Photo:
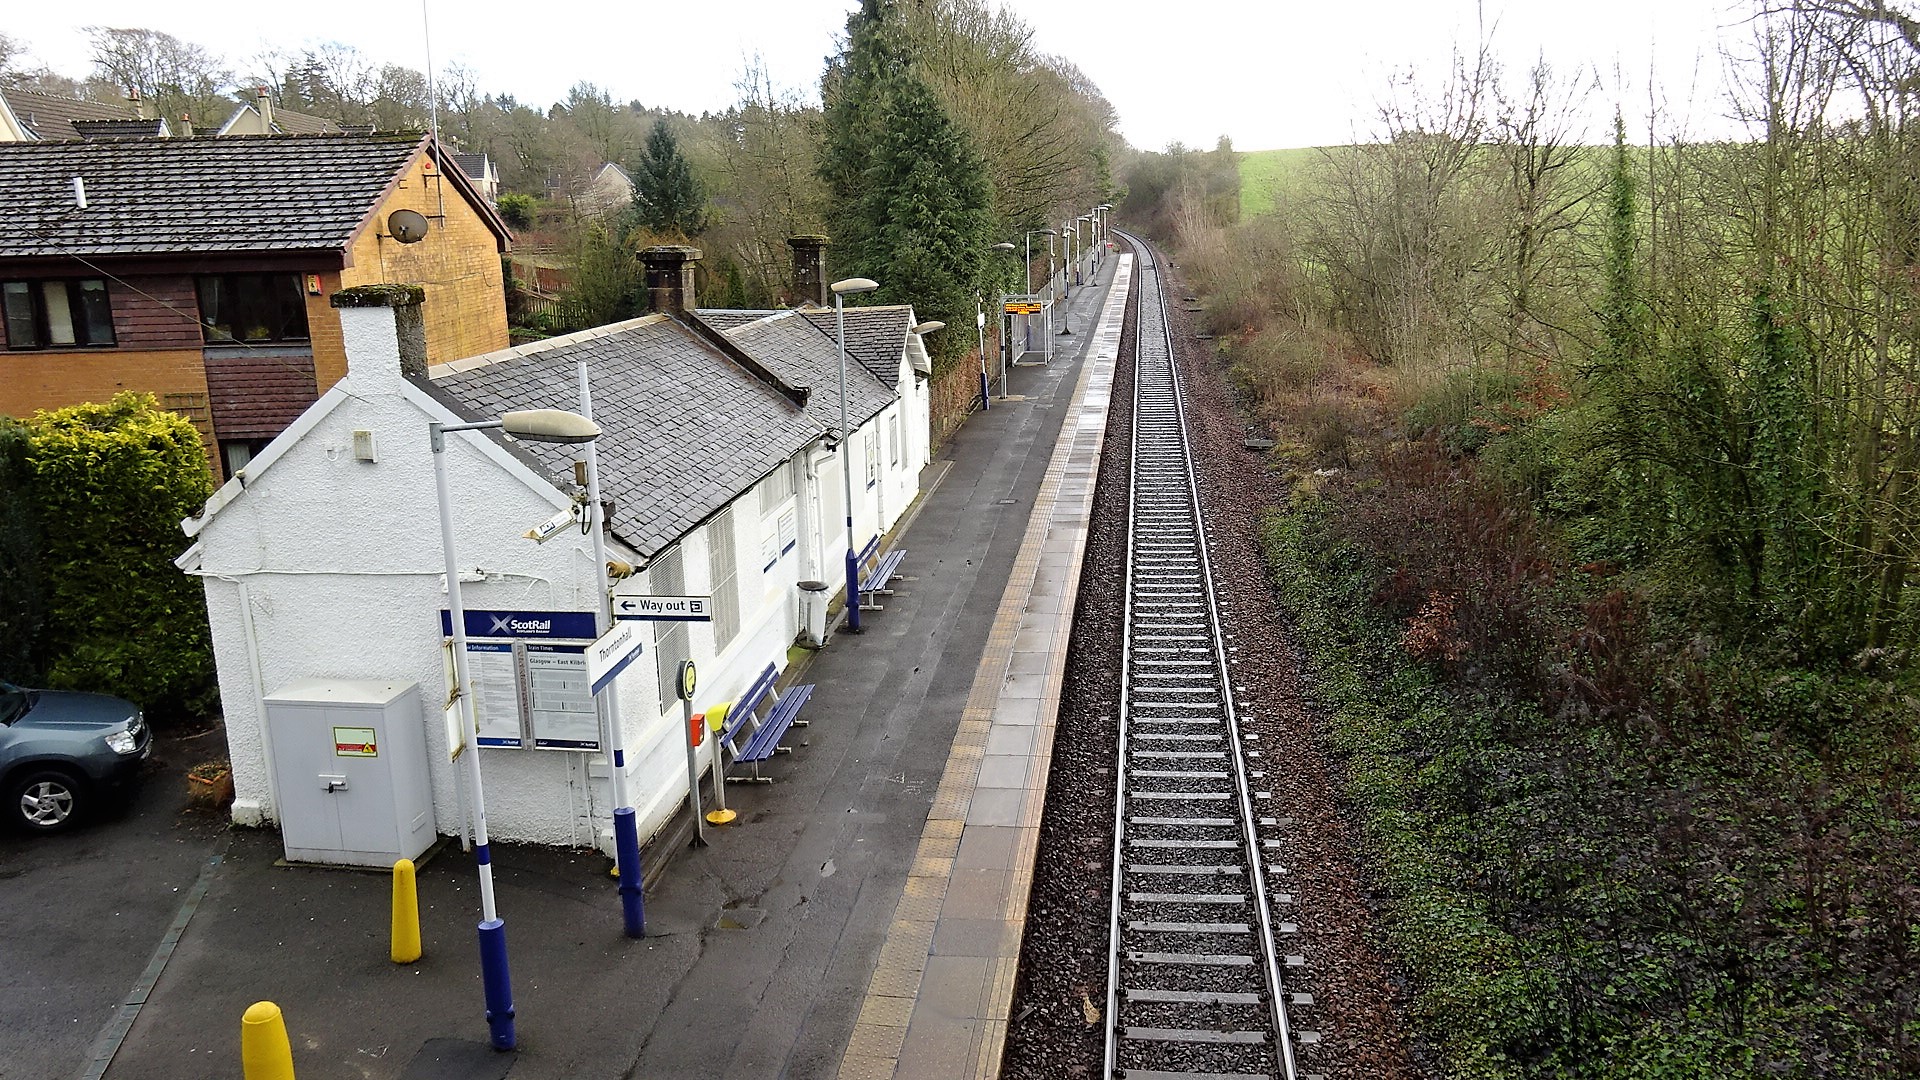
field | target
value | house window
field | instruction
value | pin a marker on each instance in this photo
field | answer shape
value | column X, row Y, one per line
column 723, row 566
column 62, row 312
column 667, row 577
column 249, row 308
column 236, row 453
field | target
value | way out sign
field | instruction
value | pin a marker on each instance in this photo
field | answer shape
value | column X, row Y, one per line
column 611, row 653
column 663, row 608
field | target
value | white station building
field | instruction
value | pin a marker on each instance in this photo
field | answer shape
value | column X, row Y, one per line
column 720, row 459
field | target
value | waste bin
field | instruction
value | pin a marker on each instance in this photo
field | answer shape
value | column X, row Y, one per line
column 813, row 612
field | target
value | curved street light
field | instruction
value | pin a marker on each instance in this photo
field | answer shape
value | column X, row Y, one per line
column 840, row 289
column 533, row 425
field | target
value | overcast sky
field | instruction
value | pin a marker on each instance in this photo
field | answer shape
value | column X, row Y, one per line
column 1267, row 73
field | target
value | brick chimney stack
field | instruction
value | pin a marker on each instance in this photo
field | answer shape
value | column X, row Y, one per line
column 670, row 283
column 263, row 104
column 809, row 268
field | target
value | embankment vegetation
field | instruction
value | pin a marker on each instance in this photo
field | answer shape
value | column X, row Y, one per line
column 1602, row 544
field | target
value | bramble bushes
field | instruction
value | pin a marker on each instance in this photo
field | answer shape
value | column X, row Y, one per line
column 1603, row 854
column 108, row 486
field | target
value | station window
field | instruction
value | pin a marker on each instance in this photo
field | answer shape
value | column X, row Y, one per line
column 252, row 308
column 57, row 313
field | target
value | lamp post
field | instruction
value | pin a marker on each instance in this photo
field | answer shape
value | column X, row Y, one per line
column 1027, row 320
column 626, row 832
column 841, row 289
column 980, row 322
column 534, row 425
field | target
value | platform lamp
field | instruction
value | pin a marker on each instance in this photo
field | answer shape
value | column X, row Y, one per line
column 980, row 321
column 841, row 289
column 532, row 425
column 1027, row 320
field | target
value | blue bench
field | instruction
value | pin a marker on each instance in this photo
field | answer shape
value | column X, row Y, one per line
column 878, row 569
column 750, row 737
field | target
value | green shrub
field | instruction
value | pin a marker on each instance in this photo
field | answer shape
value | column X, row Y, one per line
column 23, row 597
column 517, row 210
column 111, row 484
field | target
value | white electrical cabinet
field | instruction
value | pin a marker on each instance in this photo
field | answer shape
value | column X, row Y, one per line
column 350, row 771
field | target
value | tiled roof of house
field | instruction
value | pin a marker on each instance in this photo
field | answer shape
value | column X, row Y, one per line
column 685, row 429
column 154, row 196
column 289, row 122
column 113, row 129
column 474, row 165
column 800, row 355
column 49, row 116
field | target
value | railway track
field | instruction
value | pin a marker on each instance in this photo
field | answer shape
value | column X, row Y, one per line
column 1194, row 983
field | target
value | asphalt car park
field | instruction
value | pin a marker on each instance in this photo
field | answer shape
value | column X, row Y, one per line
column 82, row 910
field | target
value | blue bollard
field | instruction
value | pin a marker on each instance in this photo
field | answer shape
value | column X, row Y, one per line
column 626, row 848
column 853, row 591
column 498, row 983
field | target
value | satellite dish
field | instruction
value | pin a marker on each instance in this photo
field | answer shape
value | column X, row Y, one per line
column 407, row 226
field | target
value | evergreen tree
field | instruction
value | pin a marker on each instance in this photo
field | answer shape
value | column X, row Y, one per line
column 910, row 203
column 924, row 212
column 666, row 197
column 853, row 93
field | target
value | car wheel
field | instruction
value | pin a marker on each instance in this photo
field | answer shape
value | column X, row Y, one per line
column 45, row 801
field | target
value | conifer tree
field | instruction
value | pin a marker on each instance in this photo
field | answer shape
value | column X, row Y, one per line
column 924, row 210
column 911, row 205
column 666, row 197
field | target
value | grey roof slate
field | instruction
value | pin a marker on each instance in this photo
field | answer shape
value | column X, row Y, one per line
column 474, row 165
column 49, row 116
column 156, row 196
column 685, row 429
column 876, row 336
column 800, row 355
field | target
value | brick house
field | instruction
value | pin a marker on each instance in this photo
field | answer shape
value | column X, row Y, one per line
column 198, row 270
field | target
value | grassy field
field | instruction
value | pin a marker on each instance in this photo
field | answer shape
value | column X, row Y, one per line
column 1266, row 174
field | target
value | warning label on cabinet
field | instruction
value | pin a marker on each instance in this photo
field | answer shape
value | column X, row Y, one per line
column 355, row 742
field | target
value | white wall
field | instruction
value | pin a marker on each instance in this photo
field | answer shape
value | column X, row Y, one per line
column 326, row 566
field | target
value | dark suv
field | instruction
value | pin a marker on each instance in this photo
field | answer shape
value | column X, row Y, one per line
column 60, row 751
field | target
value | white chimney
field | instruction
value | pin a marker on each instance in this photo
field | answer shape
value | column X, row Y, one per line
column 263, row 104
column 384, row 333
column 80, row 192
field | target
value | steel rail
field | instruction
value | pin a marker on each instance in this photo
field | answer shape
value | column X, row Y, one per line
column 1162, row 570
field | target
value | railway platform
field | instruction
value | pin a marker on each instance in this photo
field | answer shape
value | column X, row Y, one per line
column 862, row 916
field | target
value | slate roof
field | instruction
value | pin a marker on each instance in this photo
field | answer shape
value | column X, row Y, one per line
column 158, row 196
column 474, row 165
column 49, row 116
column 876, row 334
column 686, row 430
column 800, row 355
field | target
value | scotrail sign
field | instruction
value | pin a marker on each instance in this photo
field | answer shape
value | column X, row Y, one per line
column 564, row 625
column 663, row 608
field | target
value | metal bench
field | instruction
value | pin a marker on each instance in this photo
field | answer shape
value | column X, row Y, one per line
column 752, row 738
column 878, row 571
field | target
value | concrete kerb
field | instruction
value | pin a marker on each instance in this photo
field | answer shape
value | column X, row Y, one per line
column 901, row 1030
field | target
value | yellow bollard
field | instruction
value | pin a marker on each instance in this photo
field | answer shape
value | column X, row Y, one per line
column 406, row 914
column 264, row 1051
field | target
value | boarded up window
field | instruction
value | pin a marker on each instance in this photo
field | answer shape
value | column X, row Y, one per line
column 667, row 577
column 723, row 567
